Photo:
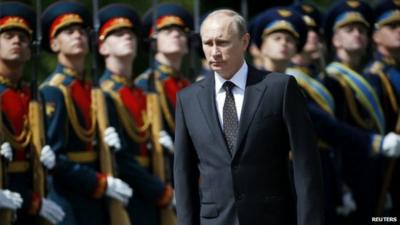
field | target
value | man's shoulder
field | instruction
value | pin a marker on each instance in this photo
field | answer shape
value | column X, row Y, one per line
column 195, row 87
column 269, row 77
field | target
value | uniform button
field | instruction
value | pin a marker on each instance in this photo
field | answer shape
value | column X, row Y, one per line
column 240, row 196
column 235, row 167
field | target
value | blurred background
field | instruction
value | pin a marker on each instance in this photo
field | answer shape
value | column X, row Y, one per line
column 48, row 62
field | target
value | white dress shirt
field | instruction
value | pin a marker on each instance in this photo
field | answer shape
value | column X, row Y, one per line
column 239, row 79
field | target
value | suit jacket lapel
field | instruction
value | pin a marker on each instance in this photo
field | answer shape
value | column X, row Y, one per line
column 252, row 97
column 206, row 99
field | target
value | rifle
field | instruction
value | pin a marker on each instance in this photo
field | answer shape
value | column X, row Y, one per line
column 118, row 214
column 6, row 215
column 195, row 41
column 387, row 179
column 167, row 215
column 36, row 123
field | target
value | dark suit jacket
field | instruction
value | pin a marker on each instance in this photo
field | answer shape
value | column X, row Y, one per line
column 214, row 187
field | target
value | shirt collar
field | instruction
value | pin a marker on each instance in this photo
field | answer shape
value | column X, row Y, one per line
column 239, row 78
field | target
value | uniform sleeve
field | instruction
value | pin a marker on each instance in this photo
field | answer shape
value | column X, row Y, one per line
column 76, row 177
column 306, row 161
column 343, row 136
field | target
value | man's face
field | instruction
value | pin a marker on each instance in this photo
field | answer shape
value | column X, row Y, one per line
column 14, row 46
column 388, row 36
column 223, row 47
column 352, row 37
column 71, row 41
column 120, row 43
column 279, row 46
column 313, row 44
column 172, row 40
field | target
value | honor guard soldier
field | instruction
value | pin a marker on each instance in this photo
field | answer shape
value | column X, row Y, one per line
column 119, row 37
column 172, row 26
column 70, row 119
column 169, row 36
column 310, row 58
column 384, row 74
column 17, row 26
column 347, row 30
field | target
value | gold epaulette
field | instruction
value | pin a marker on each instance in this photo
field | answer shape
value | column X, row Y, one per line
column 376, row 67
column 107, row 85
column 56, row 80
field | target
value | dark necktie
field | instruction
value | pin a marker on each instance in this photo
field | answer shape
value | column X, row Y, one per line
column 229, row 116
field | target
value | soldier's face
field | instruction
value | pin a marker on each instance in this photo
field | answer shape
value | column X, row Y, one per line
column 14, row 46
column 172, row 40
column 388, row 36
column 279, row 46
column 352, row 37
column 312, row 45
column 223, row 47
column 71, row 41
column 120, row 43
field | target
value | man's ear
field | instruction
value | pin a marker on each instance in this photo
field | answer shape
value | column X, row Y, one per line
column 335, row 41
column 103, row 49
column 246, row 40
column 376, row 37
column 54, row 45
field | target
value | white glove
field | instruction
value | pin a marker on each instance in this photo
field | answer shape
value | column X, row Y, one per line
column 51, row 211
column 47, row 157
column 6, row 151
column 349, row 205
column 118, row 190
column 173, row 202
column 111, row 138
column 10, row 200
column 166, row 141
column 391, row 145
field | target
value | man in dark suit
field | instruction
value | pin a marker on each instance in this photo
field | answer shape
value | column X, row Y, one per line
column 234, row 131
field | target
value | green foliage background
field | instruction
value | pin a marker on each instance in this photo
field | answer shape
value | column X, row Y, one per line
column 48, row 61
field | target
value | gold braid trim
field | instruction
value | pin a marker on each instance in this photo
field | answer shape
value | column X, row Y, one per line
column 316, row 97
column 389, row 90
column 86, row 135
column 351, row 103
column 129, row 124
column 21, row 141
column 164, row 104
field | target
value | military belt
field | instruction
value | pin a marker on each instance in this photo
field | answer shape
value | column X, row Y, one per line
column 18, row 167
column 82, row 156
column 144, row 161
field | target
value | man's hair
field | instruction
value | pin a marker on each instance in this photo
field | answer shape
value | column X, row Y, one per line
column 239, row 23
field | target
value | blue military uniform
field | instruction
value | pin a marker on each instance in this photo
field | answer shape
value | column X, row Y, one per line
column 165, row 80
column 357, row 104
column 383, row 73
column 14, row 98
column 127, row 109
column 71, row 127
